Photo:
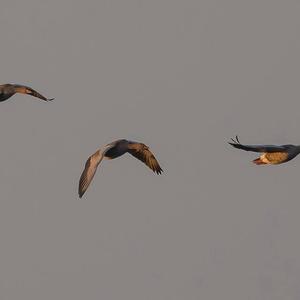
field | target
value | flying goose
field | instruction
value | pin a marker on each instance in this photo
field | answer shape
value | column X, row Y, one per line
column 271, row 154
column 8, row 90
column 114, row 150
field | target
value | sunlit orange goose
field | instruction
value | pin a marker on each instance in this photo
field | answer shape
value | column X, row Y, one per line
column 114, row 150
column 8, row 90
column 271, row 154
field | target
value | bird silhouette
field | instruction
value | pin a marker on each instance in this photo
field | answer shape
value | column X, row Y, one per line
column 271, row 154
column 114, row 150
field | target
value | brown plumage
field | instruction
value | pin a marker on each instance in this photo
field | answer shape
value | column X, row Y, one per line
column 271, row 154
column 114, row 150
column 8, row 90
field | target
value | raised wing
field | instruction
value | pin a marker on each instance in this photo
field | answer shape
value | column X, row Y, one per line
column 256, row 148
column 89, row 172
column 29, row 91
column 90, row 169
column 142, row 152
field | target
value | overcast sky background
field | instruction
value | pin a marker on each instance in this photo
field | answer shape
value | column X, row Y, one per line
column 182, row 77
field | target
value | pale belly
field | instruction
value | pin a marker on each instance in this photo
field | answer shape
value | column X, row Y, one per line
column 274, row 158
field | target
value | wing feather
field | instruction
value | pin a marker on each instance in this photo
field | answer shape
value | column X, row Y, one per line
column 256, row 148
column 89, row 172
column 23, row 89
column 90, row 169
column 142, row 153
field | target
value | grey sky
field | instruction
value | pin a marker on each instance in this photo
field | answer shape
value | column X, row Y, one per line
column 182, row 77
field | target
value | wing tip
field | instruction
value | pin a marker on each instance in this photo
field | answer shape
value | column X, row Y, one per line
column 235, row 145
column 80, row 193
column 81, row 187
column 158, row 170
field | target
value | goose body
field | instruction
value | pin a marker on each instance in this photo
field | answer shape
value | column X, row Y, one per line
column 114, row 150
column 271, row 154
column 8, row 90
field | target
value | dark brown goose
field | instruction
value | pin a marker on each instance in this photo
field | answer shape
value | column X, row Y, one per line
column 271, row 154
column 114, row 150
column 8, row 90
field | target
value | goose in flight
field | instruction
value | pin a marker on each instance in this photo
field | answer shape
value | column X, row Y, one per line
column 114, row 150
column 8, row 90
column 271, row 154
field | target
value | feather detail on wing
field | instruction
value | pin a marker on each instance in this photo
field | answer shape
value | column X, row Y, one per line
column 142, row 152
column 89, row 172
column 29, row 91
column 90, row 168
column 256, row 148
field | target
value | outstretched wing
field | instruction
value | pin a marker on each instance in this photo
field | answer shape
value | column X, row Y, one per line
column 89, row 172
column 256, row 148
column 142, row 152
column 90, row 168
column 29, row 91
